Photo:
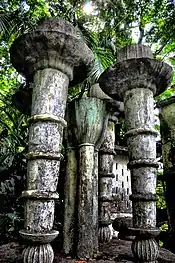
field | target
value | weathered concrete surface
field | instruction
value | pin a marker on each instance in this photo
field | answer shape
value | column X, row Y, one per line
column 89, row 118
column 54, row 44
column 38, row 253
column 115, row 251
column 45, row 139
column 124, row 75
column 70, row 188
column 48, row 57
column 70, row 196
column 136, row 78
column 106, row 157
column 141, row 140
column 167, row 129
column 85, row 246
column 121, row 224
column 85, row 125
column 101, row 229
column 97, row 92
column 95, row 208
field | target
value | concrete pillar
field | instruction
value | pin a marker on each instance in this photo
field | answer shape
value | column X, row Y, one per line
column 106, row 157
column 70, row 189
column 72, row 182
column 105, row 164
column 48, row 57
column 90, row 116
column 167, row 129
column 135, row 78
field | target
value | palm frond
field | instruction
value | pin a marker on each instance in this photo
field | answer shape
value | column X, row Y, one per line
column 5, row 24
column 103, row 59
column 90, row 38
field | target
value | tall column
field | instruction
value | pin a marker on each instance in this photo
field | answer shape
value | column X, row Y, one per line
column 106, row 158
column 135, row 78
column 95, row 201
column 96, row 92
column 90, row 116
column 167, row 129
column 70, row 189
column 48, row 57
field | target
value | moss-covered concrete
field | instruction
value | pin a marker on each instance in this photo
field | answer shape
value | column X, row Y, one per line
column 167, row 129
column 136, row 78
column 106, row 157
column 70, row 188
column 49, row 57
column 90, row 116
column 70, row 202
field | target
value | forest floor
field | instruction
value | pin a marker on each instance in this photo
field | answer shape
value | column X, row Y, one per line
column 115, row 251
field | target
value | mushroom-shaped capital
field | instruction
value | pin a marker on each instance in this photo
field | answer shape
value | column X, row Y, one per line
column 54, row 44
column 122, row 224
column 135, row 68
column 114, row 107
column 89, row 119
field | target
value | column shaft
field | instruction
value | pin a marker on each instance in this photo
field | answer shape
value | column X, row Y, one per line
column 136, row 78
column 106, row 158
column 141, row 140
column 86, row 200
column 49, row 57
column 89, row 115
column 95, row 202
column 70, row 202
column 139, row 116
column 45, row 138
column 167, row 129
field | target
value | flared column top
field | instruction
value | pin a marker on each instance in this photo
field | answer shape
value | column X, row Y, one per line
column 53, row 44
column 135, row 68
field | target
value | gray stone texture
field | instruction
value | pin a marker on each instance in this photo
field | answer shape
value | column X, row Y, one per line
column 135, row 78
column 54, row 44
column 38, row 254
column 70, row 188
column 85, row 248
column 70, row 196
column 89, row 117
column 49, row 57
column 124, row 75
column 106, row 157
column 167, row 129
column 122, row 205
column 95, row 207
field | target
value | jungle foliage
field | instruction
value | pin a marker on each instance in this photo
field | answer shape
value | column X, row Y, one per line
column 110, row 26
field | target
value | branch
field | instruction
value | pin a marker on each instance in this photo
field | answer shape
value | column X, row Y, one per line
column 141, row 30
column 158, row 51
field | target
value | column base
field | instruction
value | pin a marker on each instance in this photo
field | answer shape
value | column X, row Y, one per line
column 145, row 250
column 39, row 253
column 104, row 234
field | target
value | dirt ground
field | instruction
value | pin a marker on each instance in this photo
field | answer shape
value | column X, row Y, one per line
column 115, row 251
